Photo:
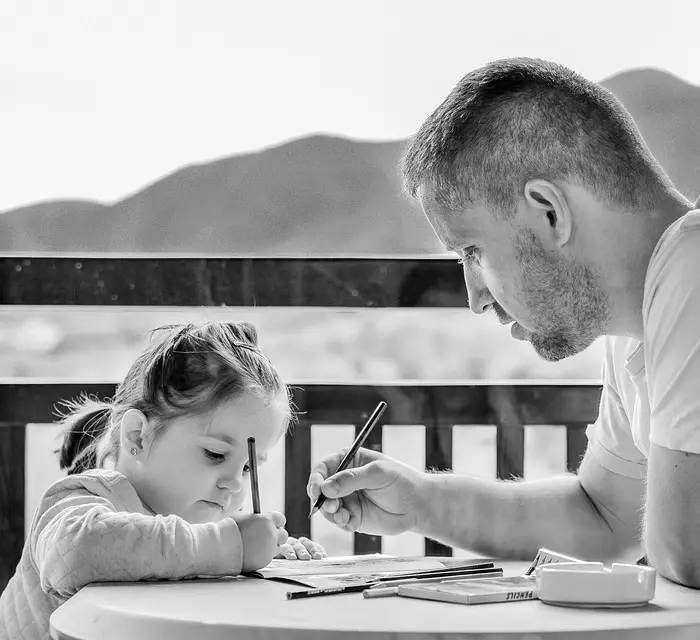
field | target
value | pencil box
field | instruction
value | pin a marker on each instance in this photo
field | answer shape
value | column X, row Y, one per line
column 502, row 589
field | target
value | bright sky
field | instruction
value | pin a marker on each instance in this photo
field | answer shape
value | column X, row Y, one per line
column 100, row 97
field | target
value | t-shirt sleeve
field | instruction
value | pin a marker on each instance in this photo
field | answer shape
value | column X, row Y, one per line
column 672, row 342
column 610, row 437
column 83, row 538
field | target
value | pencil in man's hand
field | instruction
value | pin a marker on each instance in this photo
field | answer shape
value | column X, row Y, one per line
column 359, row 441
column 253, row 465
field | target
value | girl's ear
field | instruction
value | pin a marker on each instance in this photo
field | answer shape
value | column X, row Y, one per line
column 133, row 430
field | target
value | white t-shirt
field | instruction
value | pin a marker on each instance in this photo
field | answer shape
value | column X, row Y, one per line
column 651, row 389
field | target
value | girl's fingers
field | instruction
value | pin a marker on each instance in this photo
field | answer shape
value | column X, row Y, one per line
column 282, row 536
column 316, row 551
column 300, row 550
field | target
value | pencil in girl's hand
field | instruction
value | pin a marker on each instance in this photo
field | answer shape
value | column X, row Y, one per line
column 359, row 441
column 253, row 465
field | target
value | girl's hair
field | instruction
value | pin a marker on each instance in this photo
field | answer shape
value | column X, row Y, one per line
column 185, row 370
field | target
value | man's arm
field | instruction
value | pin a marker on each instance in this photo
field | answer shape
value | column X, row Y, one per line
column 672, row 519
column 672, row 354
column 593, row 515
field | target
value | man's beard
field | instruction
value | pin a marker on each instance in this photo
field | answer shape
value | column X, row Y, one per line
column 564, row 297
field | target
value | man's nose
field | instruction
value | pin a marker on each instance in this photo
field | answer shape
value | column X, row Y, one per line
column 479, row 297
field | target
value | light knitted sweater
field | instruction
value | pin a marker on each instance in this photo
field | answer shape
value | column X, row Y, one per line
column 92, row 527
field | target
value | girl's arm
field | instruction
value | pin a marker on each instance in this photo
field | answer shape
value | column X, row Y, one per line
column 83, row 538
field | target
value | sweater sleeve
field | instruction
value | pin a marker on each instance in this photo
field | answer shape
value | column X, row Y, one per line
column 83, row 538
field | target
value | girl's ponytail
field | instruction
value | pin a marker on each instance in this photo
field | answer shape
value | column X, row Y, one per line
column 84, row 425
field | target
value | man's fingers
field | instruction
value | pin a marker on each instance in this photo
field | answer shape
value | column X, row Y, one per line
column 331, row 505
column 341, row 517
column 371, row 476
column 321, row 471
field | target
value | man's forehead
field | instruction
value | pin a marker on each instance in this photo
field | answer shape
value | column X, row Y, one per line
column 453, row 228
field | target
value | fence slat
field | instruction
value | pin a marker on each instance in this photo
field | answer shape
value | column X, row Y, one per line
column 12, row 460
column 364, row 543
column 297, row 464
column 576, row 443
column 510, row 434
column 438, row 456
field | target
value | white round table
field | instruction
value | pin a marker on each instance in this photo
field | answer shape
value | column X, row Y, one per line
column 255, row 609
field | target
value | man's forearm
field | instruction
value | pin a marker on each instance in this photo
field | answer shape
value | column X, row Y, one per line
column 514, row 519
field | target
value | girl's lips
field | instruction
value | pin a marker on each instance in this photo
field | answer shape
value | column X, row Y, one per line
column 213, row 504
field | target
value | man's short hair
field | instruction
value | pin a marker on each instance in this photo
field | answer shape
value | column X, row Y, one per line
column 518, row 119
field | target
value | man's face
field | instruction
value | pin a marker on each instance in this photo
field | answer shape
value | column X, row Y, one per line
column 554, row 303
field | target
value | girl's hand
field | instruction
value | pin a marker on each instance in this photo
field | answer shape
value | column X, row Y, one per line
column 301, row 549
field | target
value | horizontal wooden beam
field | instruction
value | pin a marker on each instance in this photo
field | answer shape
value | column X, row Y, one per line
column 250, row 282
column 438, row 405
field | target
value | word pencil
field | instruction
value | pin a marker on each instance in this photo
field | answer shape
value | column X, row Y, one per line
column 359, row 441
column 254, row 484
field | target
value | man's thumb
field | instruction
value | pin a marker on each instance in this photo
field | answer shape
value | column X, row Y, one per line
column 370, row 476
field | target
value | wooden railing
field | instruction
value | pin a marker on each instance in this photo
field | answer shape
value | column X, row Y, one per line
column 129, row 281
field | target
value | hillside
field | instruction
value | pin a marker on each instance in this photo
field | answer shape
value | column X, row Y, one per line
column 315, row 195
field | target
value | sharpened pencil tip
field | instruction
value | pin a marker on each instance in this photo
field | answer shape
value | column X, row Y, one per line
column 311, row 513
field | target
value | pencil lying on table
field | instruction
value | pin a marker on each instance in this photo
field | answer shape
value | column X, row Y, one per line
column 485, row 570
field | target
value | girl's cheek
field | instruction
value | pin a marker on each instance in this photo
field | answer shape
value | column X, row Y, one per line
column 236, row 503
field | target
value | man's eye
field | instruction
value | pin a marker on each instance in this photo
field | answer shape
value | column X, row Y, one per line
column 213, row 455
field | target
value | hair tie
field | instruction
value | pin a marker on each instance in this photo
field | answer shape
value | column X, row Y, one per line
column 250, row 347
column 246, row 345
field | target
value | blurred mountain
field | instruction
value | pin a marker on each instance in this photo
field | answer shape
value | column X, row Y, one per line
column 320, row 195
column 667, row 110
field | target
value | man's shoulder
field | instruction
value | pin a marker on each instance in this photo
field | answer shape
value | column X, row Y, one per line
column 683, row 233
column 673, row 268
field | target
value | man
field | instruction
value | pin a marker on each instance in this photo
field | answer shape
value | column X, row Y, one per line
column 568, row 229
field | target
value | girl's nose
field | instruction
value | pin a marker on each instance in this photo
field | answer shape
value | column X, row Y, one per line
column 231, row 482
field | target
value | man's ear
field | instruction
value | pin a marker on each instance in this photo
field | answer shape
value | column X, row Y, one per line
column 132, row 432
column 550, row 209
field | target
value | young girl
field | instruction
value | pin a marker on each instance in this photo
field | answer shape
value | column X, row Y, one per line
column 156, row 478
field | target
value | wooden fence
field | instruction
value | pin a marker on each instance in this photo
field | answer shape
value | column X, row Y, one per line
column 328, row 282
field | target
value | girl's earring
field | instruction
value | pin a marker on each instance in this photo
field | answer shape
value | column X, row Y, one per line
column 133, row 451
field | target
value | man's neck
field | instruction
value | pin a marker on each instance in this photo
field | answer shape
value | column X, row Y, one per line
column 634, row 240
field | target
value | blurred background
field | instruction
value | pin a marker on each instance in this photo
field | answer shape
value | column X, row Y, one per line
column 275, row 129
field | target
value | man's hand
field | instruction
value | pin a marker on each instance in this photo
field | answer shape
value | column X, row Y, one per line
column 375, row 494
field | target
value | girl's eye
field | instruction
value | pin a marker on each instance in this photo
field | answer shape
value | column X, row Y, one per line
column 246, row 468
column 213, row 455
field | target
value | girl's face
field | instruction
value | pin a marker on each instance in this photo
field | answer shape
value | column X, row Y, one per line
column 197, row 467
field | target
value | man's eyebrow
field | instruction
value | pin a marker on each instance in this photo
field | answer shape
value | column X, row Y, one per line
column 224, row 437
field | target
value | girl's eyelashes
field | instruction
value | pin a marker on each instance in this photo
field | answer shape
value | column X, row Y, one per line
column 215, row 456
